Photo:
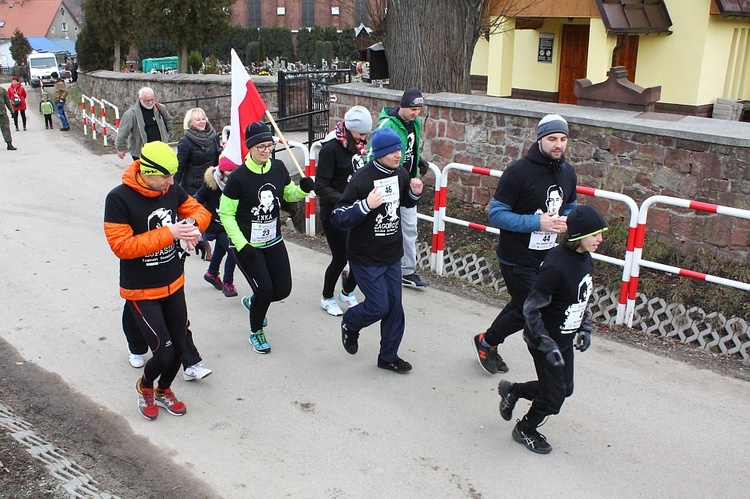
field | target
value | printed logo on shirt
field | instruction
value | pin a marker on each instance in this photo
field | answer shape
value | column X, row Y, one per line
column 541, row 240
column 265, row 215
column 357, row 162
column 387, row 224
column 157, row 219
column 574, row 312
column 409, row 153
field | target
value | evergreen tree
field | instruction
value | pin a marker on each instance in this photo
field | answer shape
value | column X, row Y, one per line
column 112, row 23
column 187, row 23
column 20, row 48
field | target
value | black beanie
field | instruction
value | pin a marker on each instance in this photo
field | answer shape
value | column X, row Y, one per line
column 256, row 133
column 412, row 98
column 584, row 221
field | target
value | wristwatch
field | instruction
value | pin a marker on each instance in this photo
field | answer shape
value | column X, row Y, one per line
column 190, row 221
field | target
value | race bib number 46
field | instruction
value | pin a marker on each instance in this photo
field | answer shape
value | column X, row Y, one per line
column 388, row 188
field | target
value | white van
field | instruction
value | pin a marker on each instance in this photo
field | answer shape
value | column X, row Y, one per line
column 41, row 66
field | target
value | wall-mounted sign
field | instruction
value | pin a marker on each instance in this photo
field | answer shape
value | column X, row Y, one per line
column 546, row 41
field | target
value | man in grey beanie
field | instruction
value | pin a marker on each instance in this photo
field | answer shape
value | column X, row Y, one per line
column 530, row 205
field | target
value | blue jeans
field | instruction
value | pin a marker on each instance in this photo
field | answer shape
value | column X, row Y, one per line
column 221, row 249
column 61, row 114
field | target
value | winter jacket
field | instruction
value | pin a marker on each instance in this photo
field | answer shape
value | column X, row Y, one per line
column 136, row 221
column 132, row 127
column 193, row 162
column 209, row 196
column 389, row 119
column 61, row 92
column 17, row 90
column 334, row 168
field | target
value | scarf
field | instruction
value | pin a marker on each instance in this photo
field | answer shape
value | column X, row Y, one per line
column 204, row 138
column 217, row 177
column 341, row 136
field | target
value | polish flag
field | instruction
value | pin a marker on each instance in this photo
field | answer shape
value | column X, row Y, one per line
column 247, row 107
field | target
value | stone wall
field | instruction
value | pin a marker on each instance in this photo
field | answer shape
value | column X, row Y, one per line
column 637, row 154
column 179, row 92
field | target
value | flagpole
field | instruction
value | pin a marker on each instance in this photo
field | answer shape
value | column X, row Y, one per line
column 283, row 140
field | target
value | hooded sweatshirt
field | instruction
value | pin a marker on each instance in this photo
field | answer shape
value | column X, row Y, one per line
column 136, row 223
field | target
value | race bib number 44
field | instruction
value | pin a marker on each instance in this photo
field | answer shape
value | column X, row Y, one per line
column 541, row 240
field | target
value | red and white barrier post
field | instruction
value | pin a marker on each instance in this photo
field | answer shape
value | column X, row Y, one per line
column 639, row 261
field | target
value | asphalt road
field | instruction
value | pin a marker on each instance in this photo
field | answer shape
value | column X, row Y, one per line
column 309, row 420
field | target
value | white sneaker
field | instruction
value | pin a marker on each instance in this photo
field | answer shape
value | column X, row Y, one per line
column 196, row 371
column 349, row 300
column 330, row 306
column 136, row 360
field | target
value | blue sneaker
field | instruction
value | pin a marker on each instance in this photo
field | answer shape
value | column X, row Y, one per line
column 259, row 343
column 247, row 301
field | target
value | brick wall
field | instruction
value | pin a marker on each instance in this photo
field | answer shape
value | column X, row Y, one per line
column 640, row 155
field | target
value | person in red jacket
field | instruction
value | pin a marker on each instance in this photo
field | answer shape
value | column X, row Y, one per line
column 17, row 96
column 140, row 222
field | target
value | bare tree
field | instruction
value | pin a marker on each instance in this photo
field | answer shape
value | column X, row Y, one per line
column 429, row 44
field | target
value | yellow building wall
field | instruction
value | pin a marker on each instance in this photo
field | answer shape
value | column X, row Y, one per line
column 690, row 65
column 600, row 51
column 480, row 62
column 528, row 72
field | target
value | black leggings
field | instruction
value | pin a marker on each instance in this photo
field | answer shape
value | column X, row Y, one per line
column 337, row 243
column 138, row 346
column 162, row 323
column 23, row 118
column 552, row 386
column 269, row 276
column 518, row 280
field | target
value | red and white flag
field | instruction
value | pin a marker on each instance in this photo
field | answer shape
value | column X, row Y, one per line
column 247, row 107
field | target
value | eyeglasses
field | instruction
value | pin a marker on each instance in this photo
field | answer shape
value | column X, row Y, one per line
column 265, row 147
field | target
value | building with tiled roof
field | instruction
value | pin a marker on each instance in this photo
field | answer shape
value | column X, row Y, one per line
column 48, row 18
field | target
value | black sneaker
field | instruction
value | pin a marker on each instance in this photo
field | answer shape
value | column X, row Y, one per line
column 500, row 364
column 349, row 339
column 507, row 399
column 399, row 365
column 412, row 281
column 533, row 440
column 484, row 355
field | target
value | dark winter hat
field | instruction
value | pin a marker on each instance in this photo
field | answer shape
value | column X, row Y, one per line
column 552, row 123
column 584, row 221
column 158, row 158
column 412, row 98
column 256, row 133
column 384, row 141
column 358, row 119
column 54, row 75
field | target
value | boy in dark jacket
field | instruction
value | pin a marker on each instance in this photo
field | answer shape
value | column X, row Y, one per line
column 369, row 209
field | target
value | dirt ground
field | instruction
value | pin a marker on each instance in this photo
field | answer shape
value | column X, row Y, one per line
column 128, row 466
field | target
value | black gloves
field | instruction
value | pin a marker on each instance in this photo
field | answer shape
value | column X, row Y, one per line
column 248, row 252
column 554, row 357
column 306, row 184
column 583, row 341
column 423, row 166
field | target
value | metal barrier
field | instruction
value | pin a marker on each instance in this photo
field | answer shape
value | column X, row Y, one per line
column 438, row 248
column 310, row 172
column 639, row 262
column 625, row 304
column 105, row 126
column 441, row 200
column 310, row 198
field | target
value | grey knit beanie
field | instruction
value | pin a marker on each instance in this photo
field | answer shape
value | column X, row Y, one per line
column 358, row 119
column 552, row 123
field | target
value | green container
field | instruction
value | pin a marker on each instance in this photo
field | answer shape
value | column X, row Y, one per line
column 160, row 64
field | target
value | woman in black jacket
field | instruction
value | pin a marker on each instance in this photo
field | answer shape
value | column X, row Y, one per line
column 342, row 154
column 197, row 150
